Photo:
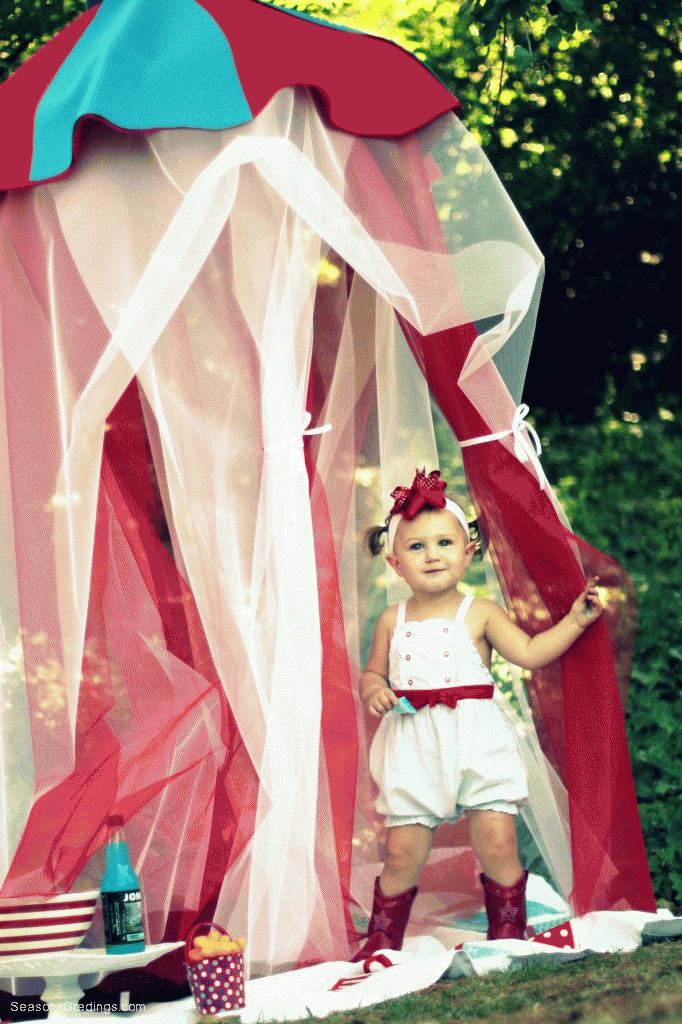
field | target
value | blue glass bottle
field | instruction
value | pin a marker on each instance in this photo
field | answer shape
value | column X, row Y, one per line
column 121, row 895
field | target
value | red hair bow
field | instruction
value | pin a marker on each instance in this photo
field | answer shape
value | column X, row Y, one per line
column 425, row 492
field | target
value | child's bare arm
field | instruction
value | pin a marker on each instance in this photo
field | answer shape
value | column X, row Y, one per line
column 375, row 693
column 534, row 652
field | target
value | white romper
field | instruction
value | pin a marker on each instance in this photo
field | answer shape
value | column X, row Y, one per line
column 432, row 765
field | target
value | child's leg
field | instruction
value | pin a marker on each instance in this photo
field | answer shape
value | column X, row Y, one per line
column 493, row 838
column 407, row 850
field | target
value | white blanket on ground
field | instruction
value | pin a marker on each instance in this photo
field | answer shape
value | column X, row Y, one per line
column 329, row 987
column 424, row 960
column 332, row 987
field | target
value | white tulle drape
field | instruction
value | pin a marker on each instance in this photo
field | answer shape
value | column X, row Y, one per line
column 203, row 254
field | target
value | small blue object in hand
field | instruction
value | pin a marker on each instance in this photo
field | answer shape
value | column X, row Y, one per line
column 403, row 707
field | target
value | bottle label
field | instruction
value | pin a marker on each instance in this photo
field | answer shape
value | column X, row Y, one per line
column 122, row 913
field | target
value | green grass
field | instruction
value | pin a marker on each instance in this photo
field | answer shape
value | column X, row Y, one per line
column 629, row 988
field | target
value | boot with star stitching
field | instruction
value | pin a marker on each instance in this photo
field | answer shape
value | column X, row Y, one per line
column 388, row 922
column 506, row 908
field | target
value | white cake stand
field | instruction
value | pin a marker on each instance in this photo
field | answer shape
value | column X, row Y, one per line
column 61, row 971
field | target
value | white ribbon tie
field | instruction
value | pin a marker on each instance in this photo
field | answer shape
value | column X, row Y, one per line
column 294, row 443
column 523, row 449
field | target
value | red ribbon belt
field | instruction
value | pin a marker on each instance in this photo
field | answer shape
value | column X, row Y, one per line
column 450, row 695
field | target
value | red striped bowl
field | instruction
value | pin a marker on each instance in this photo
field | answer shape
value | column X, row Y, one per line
column 31, row 925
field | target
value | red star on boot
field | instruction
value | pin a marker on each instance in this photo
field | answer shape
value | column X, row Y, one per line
column 388, row 922
column 506, row 908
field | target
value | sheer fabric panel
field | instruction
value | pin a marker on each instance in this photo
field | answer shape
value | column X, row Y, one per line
column 244, row 281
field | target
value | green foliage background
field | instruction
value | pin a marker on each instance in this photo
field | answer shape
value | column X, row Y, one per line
column 579, row 107
column 26, row 24
column 619, row 483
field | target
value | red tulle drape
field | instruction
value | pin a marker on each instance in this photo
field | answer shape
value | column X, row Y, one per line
column 580, row 720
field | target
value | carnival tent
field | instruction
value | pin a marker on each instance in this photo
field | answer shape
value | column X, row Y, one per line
column 239, row 247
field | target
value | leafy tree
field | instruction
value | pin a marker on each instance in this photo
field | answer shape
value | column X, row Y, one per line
column 583, row 125
column 26, row 24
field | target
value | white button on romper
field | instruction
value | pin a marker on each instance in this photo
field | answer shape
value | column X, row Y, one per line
column 431, row 766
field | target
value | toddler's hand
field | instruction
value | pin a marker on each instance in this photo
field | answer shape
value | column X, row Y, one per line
column 587, row 607
column 381, row 701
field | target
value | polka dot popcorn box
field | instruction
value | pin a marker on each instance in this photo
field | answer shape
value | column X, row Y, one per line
column 215, row 969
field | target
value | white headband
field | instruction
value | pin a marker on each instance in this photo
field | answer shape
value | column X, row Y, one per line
column 450, row 506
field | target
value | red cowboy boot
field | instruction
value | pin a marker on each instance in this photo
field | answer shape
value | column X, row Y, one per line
column 506, row 908
column 388, row 922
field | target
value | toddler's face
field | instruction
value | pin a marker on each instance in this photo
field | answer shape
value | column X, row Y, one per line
column 431, row 552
